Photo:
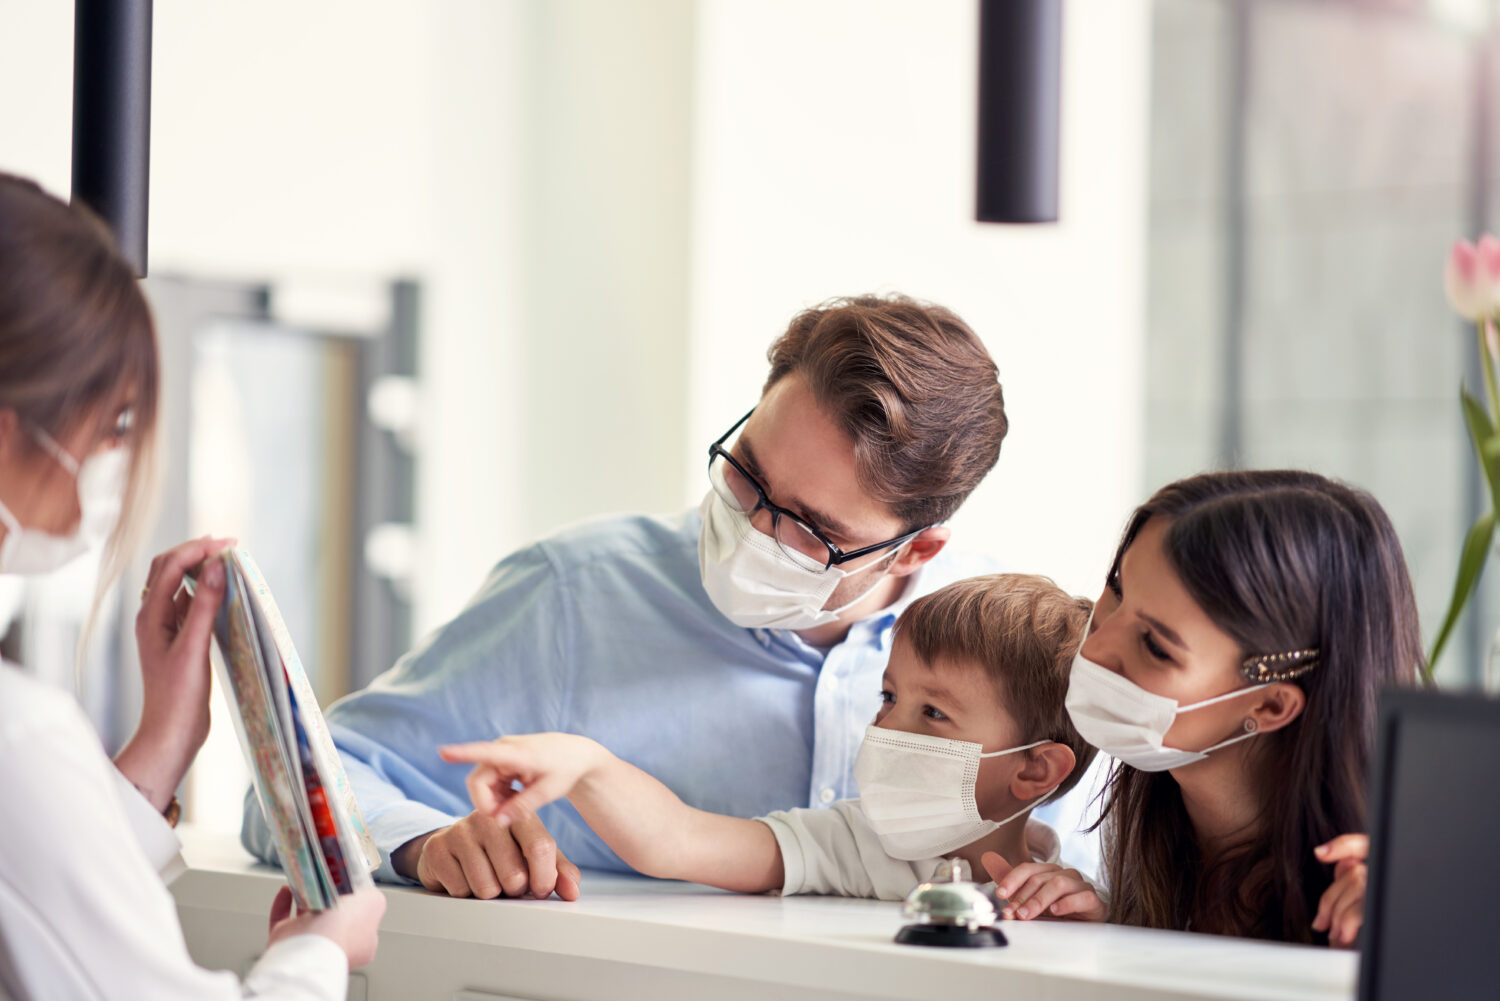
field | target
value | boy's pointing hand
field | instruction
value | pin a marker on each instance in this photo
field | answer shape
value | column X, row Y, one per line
column 546, row 766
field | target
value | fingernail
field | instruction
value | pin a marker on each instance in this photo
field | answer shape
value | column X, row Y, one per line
column 214, row 575
column 1321, row 850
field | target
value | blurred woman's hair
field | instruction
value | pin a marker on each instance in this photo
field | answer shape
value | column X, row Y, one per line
column 1281, row 561
column 78, row 345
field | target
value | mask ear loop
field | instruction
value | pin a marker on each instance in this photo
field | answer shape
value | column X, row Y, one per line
column 60, row 455
column 1224, row 698
column 1250, row 729
column 1031, row 804
column 56, row 451
column 1014, row 750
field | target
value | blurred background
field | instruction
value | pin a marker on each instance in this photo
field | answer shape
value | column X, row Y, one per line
column 435, row 277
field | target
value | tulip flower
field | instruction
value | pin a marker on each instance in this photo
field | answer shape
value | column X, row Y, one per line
column 1471, row 279
column 1461, row 281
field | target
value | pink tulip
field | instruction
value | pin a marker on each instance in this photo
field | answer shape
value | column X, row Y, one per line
column 1461, row 280
column 1488, row 251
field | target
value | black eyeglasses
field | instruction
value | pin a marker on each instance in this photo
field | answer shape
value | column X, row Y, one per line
column 802, row 543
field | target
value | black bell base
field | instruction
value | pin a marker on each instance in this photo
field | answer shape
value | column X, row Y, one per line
column 951, row 936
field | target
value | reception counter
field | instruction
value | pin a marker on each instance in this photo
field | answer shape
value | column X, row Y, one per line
column 630, row 937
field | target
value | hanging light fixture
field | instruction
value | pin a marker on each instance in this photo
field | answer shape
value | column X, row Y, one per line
column 1020, row 70
column 112, row 117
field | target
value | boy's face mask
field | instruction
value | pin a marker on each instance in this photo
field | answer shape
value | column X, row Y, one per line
column 101, row 489
column 918, row 791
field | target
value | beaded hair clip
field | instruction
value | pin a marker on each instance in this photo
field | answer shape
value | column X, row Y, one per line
column 1279, row 666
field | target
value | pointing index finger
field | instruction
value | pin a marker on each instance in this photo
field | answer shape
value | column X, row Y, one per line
column 473, row 752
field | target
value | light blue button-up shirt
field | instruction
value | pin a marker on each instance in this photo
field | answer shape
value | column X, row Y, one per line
column 604, row 629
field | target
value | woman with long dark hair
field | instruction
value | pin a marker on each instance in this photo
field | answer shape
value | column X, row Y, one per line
column 1247, row 626
column 83, row 910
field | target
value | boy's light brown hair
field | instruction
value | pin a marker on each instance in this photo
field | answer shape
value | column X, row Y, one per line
column 1024, row 631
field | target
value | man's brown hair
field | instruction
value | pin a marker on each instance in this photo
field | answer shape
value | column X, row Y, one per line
column 1024, row 631
column 915, row 389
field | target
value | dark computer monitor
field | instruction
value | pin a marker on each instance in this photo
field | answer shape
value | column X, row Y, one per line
column 1432, row 907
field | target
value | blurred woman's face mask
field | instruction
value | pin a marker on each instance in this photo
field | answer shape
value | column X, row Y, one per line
column 100, row 482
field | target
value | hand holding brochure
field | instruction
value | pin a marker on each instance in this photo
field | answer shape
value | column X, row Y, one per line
column 303, row 791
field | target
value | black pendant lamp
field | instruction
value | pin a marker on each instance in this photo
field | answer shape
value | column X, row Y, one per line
column 112, row 117
column 1020, row 70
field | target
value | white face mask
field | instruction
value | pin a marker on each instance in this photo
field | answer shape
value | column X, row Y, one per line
column 756, row 584
column 918, row 791
column 1127, row 722
column 101, row 489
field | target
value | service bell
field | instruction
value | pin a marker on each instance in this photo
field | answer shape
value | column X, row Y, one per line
column 950, row 911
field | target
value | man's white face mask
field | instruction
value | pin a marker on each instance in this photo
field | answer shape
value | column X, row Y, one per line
column 758, row 582
column 758, row 585
column 101, row 489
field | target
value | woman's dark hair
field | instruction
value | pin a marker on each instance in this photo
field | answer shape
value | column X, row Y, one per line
column 1281, row 561
column 77, row 343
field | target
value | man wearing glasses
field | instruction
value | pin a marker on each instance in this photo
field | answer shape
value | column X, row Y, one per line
column 734, row 652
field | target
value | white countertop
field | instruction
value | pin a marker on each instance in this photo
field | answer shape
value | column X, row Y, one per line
column 628, row 927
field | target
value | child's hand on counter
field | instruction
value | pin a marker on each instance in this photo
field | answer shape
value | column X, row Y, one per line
column 1040, row 889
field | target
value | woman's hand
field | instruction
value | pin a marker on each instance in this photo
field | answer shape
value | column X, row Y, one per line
column 1040, row 889
column 548, row 766
column 1341, row 909
column 172, row 633
column 353, row 924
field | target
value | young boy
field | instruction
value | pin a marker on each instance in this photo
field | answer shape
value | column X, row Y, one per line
column 971, row 734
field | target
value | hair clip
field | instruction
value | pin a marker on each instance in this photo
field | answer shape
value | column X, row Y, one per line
column 1279, row 666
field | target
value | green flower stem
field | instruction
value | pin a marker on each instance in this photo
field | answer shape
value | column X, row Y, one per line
column 1487, row 365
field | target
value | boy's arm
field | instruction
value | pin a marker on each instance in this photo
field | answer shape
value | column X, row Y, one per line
column 644, row 822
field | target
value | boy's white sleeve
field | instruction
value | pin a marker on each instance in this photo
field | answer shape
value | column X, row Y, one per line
column 835, row 852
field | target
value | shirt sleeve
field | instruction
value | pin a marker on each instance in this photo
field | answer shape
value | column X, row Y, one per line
column 84, row 909
column 155, row 835
column 303, row 966
column 504, row 658
column 821, row 851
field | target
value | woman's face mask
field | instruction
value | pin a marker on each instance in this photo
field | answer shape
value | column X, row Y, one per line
column 100, row 482
column 1127, row 722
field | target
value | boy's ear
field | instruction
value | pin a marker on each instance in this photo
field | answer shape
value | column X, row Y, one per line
column 927, row 544
column 1045, row 769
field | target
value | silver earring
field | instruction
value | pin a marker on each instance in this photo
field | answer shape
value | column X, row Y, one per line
column 1250, row 726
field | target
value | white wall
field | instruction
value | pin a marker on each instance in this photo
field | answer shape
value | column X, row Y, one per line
column 615, row 207
column 835, row 155
column 324, row 142
column 645, row 192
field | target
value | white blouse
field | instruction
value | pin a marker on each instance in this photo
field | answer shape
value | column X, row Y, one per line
column 84, row 911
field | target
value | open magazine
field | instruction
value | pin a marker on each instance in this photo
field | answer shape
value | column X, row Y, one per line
column 304, row 793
